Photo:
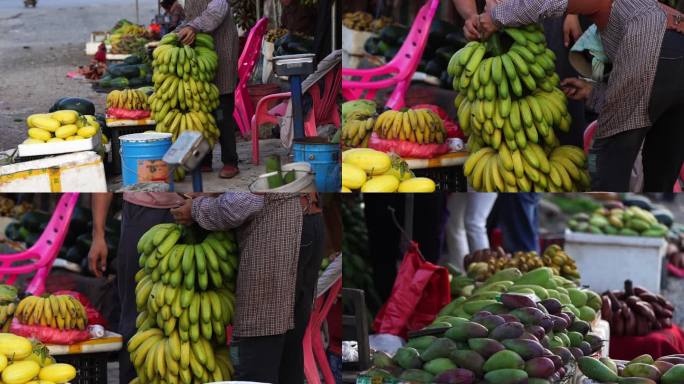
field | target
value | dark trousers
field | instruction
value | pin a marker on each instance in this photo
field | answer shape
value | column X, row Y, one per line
column 611, row 159
column 226, row 126
column 279, row 359
column 519, row 221
column 135, row 221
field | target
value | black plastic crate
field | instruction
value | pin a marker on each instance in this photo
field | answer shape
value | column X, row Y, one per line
column 116, row 144
column 448, row 179
column 91, row 368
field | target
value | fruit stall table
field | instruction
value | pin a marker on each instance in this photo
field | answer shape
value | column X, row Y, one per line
column 445, row 170
column 88, row 357
column 120, row 127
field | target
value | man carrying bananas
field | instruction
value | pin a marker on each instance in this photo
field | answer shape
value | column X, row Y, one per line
column 643, row 102
column 560, row 32
column 215, row 17
column 280, row 236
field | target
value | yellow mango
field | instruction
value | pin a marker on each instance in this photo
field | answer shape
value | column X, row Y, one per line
column 66, row 116
column 65, row 131
column 40, row 134
column 75, row 137
column 29, row 120
column 44, row 122
column 15, row 347
column 58, row 373
column 20, row 372
column 382, row 183
column 87, row 131
column 371, row 161
column 353, row 177
column 417, row 185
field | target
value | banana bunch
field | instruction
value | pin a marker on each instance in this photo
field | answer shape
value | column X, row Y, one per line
column 185, row 301
column 358, row 21
column 358, row 127
column 184, row 94
column 56, row 311
column 421, row 126
column 156, row 356
column 274, row 34
column 510, row 107
column 8, row 305
column 562, row 264
column 130, row 99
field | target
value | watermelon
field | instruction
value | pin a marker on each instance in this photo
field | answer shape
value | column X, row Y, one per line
column 82, row 106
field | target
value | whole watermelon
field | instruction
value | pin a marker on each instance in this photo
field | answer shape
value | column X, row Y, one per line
column 82, row 106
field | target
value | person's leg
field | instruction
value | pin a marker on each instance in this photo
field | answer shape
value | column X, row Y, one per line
column 310, row 256
column 663, row 154
column 611, row 160
column 428, row 215
column 257, row 358
column 136, row 220
column 226, row 125
column 457, row 242
column 518, row 221
column 477, row 211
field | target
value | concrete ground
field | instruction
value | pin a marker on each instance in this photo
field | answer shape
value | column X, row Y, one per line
column 39, row 46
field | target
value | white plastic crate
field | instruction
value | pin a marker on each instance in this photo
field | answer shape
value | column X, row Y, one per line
column 55, row 148
column 606, row 261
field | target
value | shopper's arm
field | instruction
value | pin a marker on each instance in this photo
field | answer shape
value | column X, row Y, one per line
column 524, row 12
column 97, row 255
column 212, row 17
column 465, row 8
column 230, row 210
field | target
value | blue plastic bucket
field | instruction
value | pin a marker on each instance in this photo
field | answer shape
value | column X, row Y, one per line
column 325, row 162
column 142, row 151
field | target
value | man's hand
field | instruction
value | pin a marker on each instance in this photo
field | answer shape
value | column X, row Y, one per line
column 576, row 89
column 572, row 30
column 470, row 28
column 187, row 35
column 97, row 256
column 183, row 213
column 479, row 27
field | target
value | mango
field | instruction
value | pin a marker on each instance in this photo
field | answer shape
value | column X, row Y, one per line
column 587, row 313
column 503, row 360
column 371, row 161
column 508, row 274
column 537, row 276
column 439, row 365
column 594, row 341
column 353, row 177
column 594, row 300
column 663, row 366
column 540, row 291
column 579, row 326
column 72, row 138
column 527, row 349
column 506, row 376
column 469, row 360
column 417, row 185
column 535, row 330
column 465, row 331
column 564, row 354
column 416, row 376
column 496, row 309
column 552, row 305
column 381, row 184
column 499, row 286
column 608, row 362
column 439, row 324
column 485, row 347
column 441, row 347
column 507, row 331
column 43, row 122
column 565, row 339
column 528, row 315
column 87, row 131
column 408, row 358
column 540, row 367
column 641, row 370
column 55, row 140
column 491, row 321
column 454, row 320
column 645, row 359
column 596, row 370
column 455, row 376
column 39, row 134
column 382, row 360
column 474, row 306
column 66, row 130
column 421, row 343
column 674, row 375
column 516, row 300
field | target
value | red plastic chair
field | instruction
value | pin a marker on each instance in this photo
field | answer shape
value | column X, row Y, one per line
column 401, row 67
column 244, row 109
column 44, row 252
column 324, row 103
column 589, row 136
column 315, row 358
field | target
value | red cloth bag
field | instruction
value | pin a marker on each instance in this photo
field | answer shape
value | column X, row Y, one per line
column 420, row 291
column 657, row 344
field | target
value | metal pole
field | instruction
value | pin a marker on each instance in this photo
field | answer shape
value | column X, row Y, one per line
column 137, row 13
column 333, row 44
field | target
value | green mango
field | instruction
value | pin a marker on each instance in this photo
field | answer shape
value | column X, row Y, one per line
column 467, row 359
column 550, row 284
column 608, row 362
column 507, row 376
column 508, row 274
column 610, row 230
column 451, row 306
column 465, row 331
column 564, row 338
column 441, row 347
column 593, row 300
column 537, row 276
column 540, row 291
column 382, row 360
column 596, row 370
column 575, row 338
column 416, row 376
column 587, row 313
column 628, row 232
column 504, row 360
column 553, row 293
column 577, row 297
column 439, row 324
column 500, row 286
column 408, row 358
column 485, row 346
column 439, row 365
column 674, row 376
column 496, row 309
column 472, row 307
column 571, row 308
column 645, row 359
column 639, row 225
column 641, row 370
column 453, row 320
column 420, row 343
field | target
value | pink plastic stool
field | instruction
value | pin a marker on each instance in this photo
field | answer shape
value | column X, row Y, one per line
column 401, row 67
column 244, row 109
column 589, row 136
column 315, row 358
column 44, row 252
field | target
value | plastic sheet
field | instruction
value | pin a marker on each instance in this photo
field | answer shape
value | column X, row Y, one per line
column 407, row 149
column 127, row 114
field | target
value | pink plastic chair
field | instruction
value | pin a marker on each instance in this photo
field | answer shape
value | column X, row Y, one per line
column 315, row 358
column 401, row 67
column 589, row 136
column 324, row 103
column 44, row 252
column 244, row 109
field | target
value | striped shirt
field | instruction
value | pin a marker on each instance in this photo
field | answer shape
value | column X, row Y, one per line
column 632, row 39
column 216, row 18
column 269, row 233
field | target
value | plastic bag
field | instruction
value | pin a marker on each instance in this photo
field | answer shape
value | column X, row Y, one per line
column 49, row 335
column 452, row 128
column 407, row 149
column 420, row 291
column 94, row 316
column 120, row 113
